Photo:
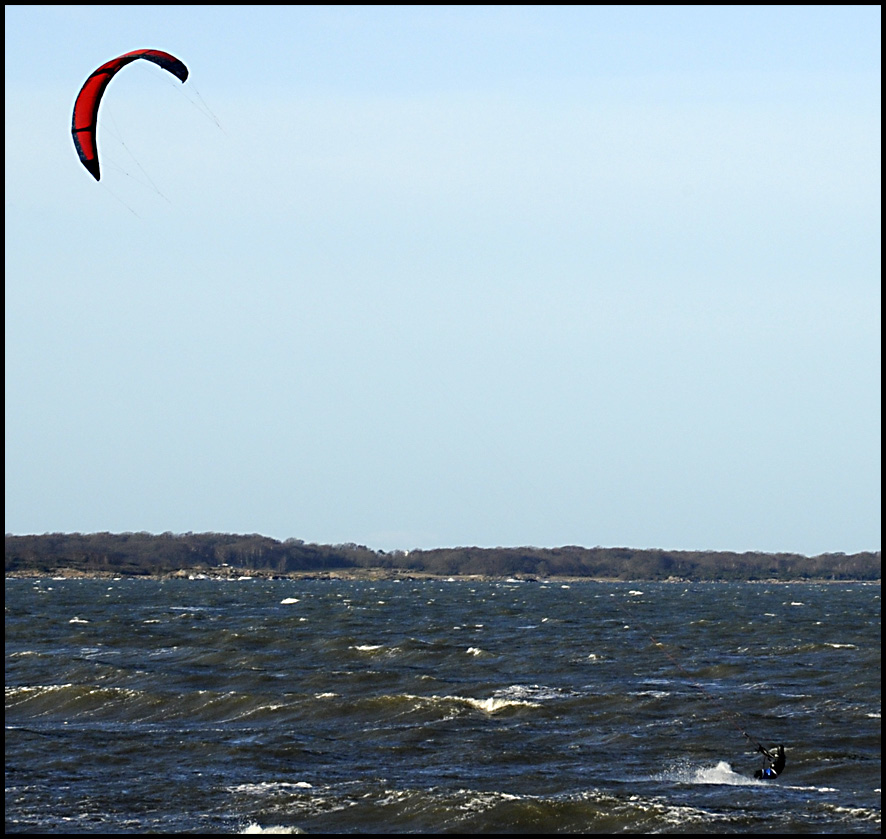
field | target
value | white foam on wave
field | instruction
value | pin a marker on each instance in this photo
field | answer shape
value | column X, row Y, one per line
column 532, row 694
column 476, row 801
column 253, row 827
column 490, row 705
column 859, row 813
column 265, row 787
column 493, row 704
column 24, row 690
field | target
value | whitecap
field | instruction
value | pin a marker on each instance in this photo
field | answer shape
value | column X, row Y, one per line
column 494, row 704
column 262, row 787
column 254, row 827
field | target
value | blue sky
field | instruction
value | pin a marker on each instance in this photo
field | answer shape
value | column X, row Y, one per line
column 436, row 276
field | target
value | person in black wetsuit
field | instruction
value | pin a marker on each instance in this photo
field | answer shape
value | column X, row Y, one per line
column 776, row 766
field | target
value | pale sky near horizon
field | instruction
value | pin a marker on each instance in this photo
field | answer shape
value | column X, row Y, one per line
column 425, row 276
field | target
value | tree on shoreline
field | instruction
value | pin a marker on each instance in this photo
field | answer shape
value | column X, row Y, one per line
column 145, row 553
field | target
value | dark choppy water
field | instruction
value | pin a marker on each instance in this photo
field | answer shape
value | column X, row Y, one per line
column 139, row 706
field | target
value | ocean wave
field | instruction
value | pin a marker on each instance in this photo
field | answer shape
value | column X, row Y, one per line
column 265, row 787
column 489, row 705
column 494, row 704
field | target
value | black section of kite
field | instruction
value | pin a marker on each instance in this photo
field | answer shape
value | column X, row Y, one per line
column 85, row 120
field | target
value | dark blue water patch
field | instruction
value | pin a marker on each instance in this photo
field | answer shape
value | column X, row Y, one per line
column 338, row 706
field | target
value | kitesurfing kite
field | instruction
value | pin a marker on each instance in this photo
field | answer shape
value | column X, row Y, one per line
column 85, row 121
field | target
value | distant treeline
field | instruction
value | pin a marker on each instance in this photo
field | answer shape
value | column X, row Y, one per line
column 168, row 553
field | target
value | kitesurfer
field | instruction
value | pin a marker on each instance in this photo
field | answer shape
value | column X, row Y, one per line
column 776, row 765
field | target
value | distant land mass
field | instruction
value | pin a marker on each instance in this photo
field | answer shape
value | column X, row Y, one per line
column 226, row 555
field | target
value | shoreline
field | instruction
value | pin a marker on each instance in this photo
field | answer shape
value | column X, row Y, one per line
column 231, row 574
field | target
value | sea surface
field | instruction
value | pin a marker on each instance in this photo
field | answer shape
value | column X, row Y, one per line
column 324, row 706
